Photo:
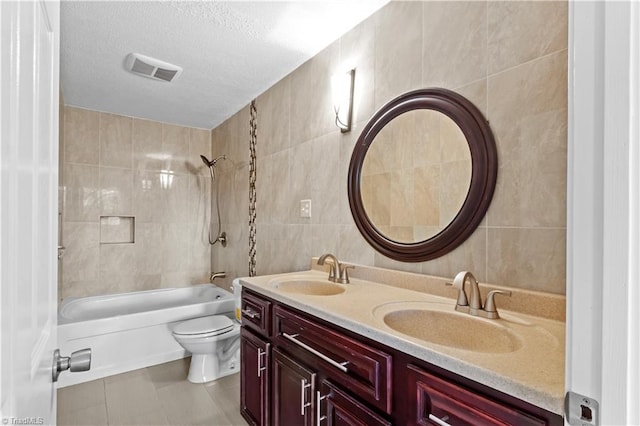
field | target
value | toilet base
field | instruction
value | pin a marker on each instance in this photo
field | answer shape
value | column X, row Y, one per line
column 206, row 368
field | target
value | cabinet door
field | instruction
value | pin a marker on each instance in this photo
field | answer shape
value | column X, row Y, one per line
column 254, row 378
column 435, row 401
column 294, row 386
column 336, row 408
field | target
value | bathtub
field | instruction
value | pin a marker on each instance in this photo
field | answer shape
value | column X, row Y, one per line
column 132, row 330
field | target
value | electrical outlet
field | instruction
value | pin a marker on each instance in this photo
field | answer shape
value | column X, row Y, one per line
column 305, row 208
column 581, row 410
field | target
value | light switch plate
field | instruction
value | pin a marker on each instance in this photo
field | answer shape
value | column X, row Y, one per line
column 581, row 410
column 305, row 208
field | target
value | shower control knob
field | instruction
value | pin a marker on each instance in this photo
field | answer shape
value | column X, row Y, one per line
column 78, row 361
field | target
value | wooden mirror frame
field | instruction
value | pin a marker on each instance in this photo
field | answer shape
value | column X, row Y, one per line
column 484, row 171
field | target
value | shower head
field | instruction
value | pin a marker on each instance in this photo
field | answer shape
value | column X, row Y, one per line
column 206, row 161
column 212, row 163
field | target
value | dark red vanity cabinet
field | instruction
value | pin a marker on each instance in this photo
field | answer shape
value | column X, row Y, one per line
column 322, row 375
column 436, row 401
column 353, row 364
column 294, row 387
column 338, row 408
column 255, row 354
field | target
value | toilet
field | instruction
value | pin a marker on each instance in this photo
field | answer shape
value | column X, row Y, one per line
column 214, row 344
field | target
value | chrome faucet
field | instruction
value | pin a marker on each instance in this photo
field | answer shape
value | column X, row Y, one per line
column 473, row 304
column 337, row 271
column 214, row 275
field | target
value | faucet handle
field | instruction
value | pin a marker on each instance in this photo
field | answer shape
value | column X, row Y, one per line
column 344, row 274
column 490, row 304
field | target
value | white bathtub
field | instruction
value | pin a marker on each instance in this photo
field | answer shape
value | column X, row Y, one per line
column 132, row 330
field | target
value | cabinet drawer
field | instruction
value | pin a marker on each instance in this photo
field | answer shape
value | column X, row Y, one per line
column 342, row 409
column 458, row 406
column 364, row 370
column 256, row 313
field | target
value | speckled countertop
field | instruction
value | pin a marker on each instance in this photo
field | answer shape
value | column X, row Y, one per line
column 533, row 372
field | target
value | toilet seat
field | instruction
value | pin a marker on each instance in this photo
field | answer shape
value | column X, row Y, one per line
column 212, row 325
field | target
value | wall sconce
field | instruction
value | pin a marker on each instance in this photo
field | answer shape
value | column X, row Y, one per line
column 342, row 87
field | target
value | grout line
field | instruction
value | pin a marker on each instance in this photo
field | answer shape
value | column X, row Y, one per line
column 529, row 62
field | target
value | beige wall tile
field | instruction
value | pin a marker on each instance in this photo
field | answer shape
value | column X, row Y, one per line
column 528, row 109
column 530, row 258
column 454, row 47
column 148, row 248
column 116, row 190
column 519, row 31
column 357, row 50
column 148, row 153
column 312, row 112
column 82, row 201
column 301, row 179
column 175, row 247
column 115, row 140
column 175, row 199
column 81, row 136
column 398, row 52
column 149, row 190
column 148, row 201
column 117, row 259
column 469, row 256
column 325, row 180
column 199, row 144
column 199, row 199
column 277, row 187
column 274, row 118
column 80, row 260
column 426, row 205
column 476, row 93
column 175, row 143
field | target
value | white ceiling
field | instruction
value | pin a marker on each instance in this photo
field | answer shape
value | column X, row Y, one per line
column 230, row 52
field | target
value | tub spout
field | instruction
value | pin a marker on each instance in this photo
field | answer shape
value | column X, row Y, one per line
column 215, row 275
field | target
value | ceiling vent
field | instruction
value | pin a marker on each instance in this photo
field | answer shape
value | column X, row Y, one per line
column 151, row 67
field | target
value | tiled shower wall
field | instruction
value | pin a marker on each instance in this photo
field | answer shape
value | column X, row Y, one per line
column 146, row 181
column 508, row 58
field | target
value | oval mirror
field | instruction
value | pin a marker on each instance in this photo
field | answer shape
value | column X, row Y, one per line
column 422, row 175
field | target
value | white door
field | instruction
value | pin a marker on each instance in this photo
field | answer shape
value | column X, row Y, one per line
column 29, row 75
column 603, row 224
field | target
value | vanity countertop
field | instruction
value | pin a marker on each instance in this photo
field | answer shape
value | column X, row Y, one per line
column 533, row 373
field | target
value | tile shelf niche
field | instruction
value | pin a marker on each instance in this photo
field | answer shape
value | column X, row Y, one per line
column 117, row 229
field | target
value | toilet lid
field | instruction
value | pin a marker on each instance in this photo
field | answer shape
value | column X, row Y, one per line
column 203, row 325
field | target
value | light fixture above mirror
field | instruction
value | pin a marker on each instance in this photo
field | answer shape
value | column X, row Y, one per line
column 342, row 88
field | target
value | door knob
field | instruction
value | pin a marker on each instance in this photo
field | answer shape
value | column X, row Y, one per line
column 78, row 361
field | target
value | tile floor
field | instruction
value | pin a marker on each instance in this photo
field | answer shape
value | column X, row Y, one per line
column 158, row 395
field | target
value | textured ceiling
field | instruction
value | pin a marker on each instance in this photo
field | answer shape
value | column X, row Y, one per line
column 230, row 52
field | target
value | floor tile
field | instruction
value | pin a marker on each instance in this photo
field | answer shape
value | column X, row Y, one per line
column 169, row 373
column 130, row 398
column 90, row 416
column 159, row 395
column 83, row 395
column 189, row 404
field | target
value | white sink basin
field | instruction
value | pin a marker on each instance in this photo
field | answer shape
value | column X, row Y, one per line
column 440, row 324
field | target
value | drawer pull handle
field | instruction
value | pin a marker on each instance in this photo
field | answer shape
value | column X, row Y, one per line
column 303, row 400
column 339, row 365
column 319, row 399
column 438, row 421
column 250, row 314
column 261, row 367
